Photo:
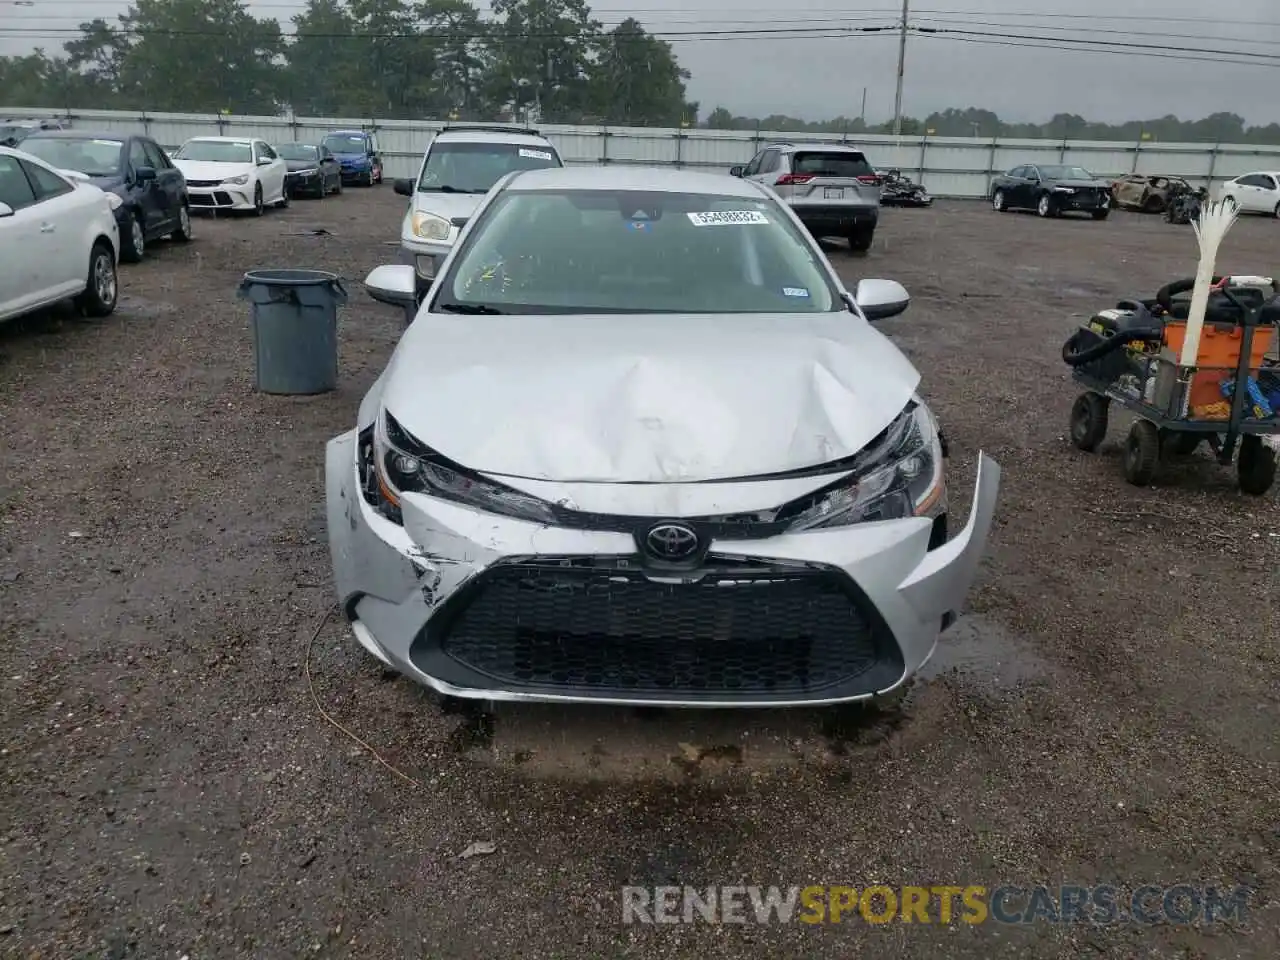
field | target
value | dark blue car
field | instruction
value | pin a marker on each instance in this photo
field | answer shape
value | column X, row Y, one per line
column 357, row 151
column 134, row 167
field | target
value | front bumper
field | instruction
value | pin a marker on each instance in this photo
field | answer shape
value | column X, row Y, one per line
column 221, row 196
column 303, row 183
column 480, row 606
column 357, row 173
column 1082, row 201
column 425, row 256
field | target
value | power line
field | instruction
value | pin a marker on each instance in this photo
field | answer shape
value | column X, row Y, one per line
column 1096, row 30
column 1118, row 45
column 1051, row 45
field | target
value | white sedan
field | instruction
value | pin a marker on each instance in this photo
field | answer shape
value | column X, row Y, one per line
column 232, row 173
column 58, row 239
column 1255, row 193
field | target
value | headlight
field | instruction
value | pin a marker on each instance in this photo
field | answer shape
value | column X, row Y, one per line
column 430, row 227
column 1064, row 189
column 404, row 465
column 901, row 475
column 114, row 201
column 309, row 172
column 243, row 178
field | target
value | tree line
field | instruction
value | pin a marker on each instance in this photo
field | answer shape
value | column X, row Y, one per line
column 546, row 59
column 976, row 122
column 549, row 61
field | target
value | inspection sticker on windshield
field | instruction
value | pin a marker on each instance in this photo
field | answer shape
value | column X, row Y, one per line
column 794, row 292
column 721, row 217
column 535, row 154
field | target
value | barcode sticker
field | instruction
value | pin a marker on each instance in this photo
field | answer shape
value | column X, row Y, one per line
column 723, row 217
column 535, row 154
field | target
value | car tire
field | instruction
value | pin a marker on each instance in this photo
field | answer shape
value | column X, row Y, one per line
column 102, row 286
column 1089, row 416
column 1044, row 206
column 998, row 202
column 860, row 239
column 285, row 199
column 133, row 240
column 1277, row 211
column 259, row 208
column 183, row 233
column 1141, row 453
column 1101, row 214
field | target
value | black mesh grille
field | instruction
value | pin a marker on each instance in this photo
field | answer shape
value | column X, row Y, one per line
column 768, row 633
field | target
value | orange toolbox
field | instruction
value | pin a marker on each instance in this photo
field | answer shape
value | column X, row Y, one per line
column 1218, row 356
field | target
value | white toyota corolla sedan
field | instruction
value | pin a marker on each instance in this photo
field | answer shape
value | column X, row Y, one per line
column 639, row 445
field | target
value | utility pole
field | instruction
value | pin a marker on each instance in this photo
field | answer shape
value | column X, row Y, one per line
column 863, row 114
column 902, row 64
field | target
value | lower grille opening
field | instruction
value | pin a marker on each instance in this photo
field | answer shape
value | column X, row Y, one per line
column 764, row 634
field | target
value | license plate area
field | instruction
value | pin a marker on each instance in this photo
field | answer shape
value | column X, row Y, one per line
column 833, row 193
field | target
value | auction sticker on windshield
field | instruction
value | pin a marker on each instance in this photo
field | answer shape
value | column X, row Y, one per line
column 721, row 217
column 535, row 154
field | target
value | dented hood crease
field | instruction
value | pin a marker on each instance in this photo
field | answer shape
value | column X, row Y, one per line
column 646, row 399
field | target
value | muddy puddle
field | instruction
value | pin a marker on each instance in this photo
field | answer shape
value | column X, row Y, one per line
column 591, row 742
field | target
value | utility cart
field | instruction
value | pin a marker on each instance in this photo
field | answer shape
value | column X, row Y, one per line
column 1229, row 398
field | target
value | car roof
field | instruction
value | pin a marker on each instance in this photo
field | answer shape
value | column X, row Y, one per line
column 813, row 145
column 478, row 135
column 658, row 179
column 80, row 135
column 244, row 140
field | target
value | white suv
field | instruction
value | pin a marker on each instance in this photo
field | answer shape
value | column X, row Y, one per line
column 460, row 166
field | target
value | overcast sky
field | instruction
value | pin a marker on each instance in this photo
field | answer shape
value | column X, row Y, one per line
column 820, row 77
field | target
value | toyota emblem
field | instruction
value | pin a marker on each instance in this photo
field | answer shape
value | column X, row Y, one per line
column 671, row 541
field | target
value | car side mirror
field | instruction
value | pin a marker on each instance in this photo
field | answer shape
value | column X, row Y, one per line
column 144, row 174
column 459, row 222
column 395, row 284
column 264, row 162
column 5, row 210
column 404, row 186
column 881, row 299
column 735, row 171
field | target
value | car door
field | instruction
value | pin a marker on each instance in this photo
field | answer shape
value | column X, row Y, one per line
column 1027, row 186
column 143, row 193
column 60, row 216
column 1268, row 194
column 169, row 185
column 1129, row 191
column 273, row 174
column 769, row 162
column 1246, row 191
column 22, row 280
column 1013, row 181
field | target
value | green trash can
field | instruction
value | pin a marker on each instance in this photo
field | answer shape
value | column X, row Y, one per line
column 295, row 329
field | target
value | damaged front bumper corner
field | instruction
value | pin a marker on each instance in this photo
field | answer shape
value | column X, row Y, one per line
column 405, row 589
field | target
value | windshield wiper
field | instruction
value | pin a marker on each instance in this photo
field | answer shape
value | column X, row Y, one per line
column 443, row 188
column 474, row 309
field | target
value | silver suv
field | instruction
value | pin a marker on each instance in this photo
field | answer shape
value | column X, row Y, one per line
column 832, row 188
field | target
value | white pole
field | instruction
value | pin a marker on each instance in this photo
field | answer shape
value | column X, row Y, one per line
column 1215, row 220
column 902, row 66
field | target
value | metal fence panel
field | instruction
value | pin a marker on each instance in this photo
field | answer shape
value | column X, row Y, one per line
column 949, row 166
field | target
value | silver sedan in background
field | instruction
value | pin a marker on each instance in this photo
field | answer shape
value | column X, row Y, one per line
column 641, row 446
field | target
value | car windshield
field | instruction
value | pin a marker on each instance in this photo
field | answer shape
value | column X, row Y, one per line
column 215, row 151
column 346, row 143
column 297, row 151
column 1065, row 173
column 597, row 251
column 92, row 157
column 475, row 167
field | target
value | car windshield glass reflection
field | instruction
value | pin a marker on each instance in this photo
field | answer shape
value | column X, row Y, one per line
column 215, row 151
column 1065, row 173
column 297, row 151
column 632, row 252
column 93, row 158
column 475, row 167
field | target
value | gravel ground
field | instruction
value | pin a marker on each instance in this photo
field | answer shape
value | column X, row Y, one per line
column 1106, row 712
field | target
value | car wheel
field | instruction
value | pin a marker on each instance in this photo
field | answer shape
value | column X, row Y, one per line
column 284, row 198
column 101, row 286
column 1141, row 453
column 258, row 206
column 997, row 202
column 133, row 240
column 1101, row 214
column 183, row 233
column 1045, row 206
column 1277, row 211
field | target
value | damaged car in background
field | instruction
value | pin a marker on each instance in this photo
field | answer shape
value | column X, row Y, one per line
column 1147, row 193
column 640, row 445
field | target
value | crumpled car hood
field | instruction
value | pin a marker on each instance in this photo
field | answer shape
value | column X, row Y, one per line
column 654, row 399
